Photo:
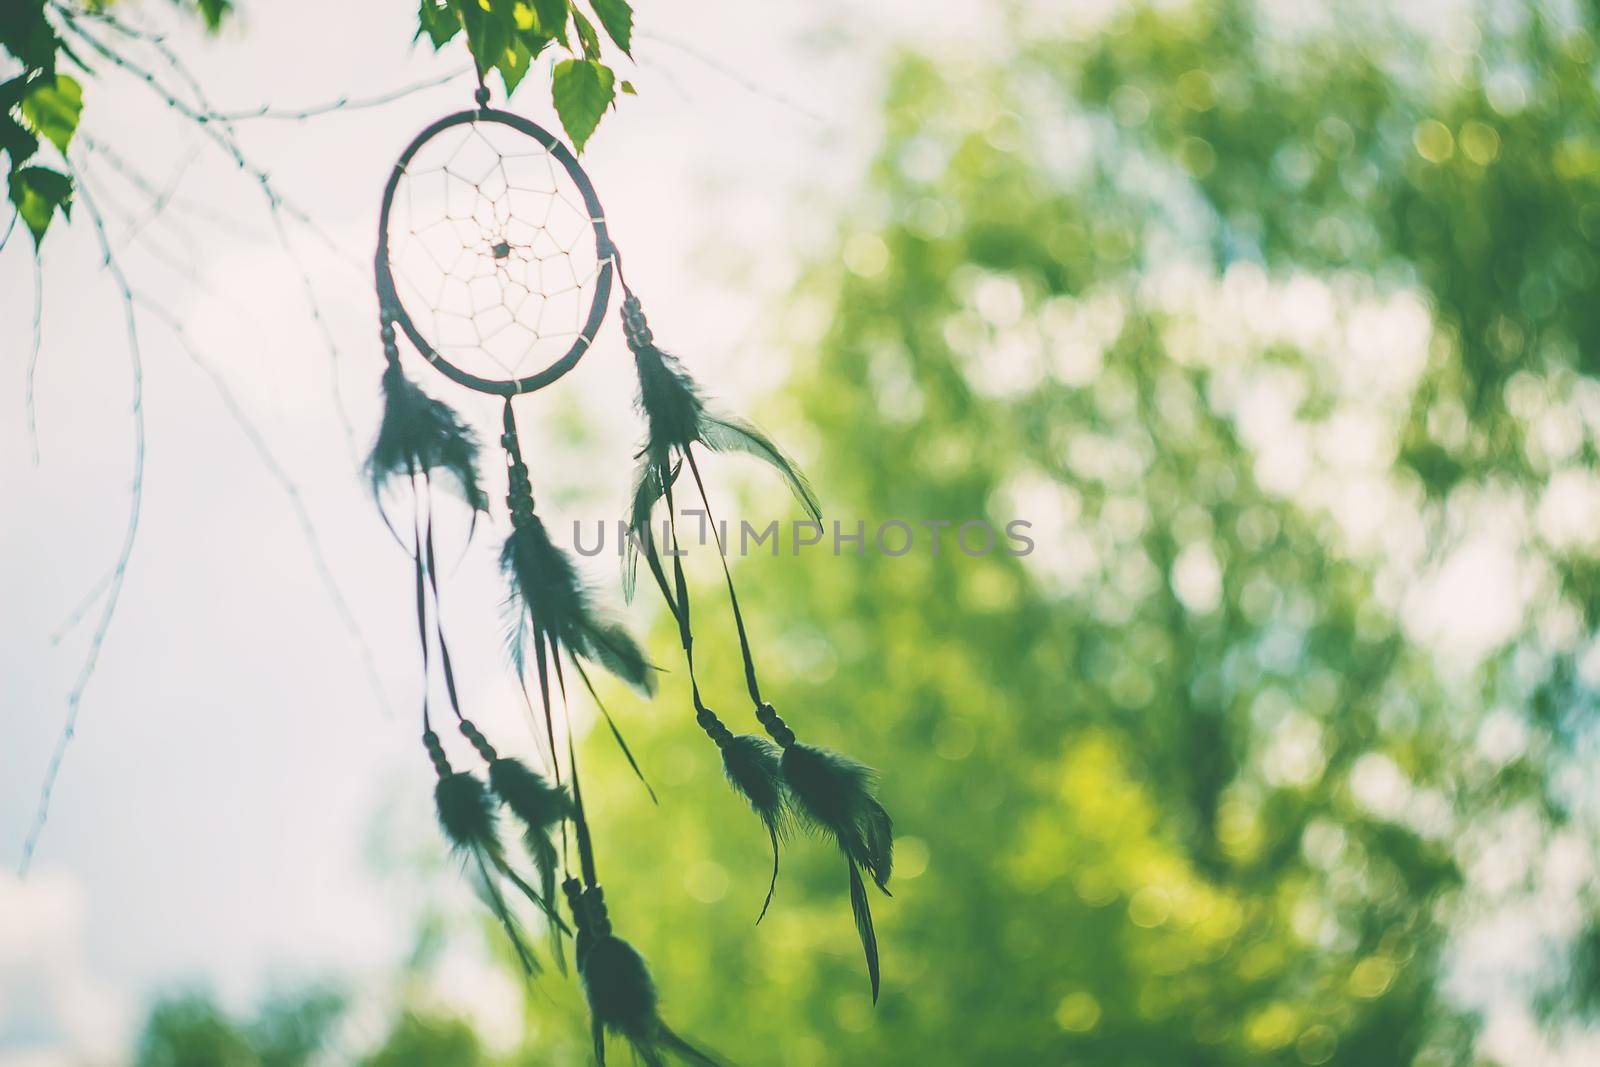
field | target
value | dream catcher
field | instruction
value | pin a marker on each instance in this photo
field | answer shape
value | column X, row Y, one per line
column 495, row 263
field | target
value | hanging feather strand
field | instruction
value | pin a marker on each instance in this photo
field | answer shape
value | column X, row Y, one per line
column 540, row 806
column 467, row 817
column 751, row 763
column 421, row 435
column 548, row 596
column 833, row 794
column 620, row 990
column 677, row 417
column 551, row 610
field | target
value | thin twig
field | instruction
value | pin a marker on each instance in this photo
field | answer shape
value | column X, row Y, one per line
column 221, row 133
column 119, row 573
column 258, row 441
column 131, row 174
column 734, row 76
column 208, row 115
column 343, row 103
column 33, row 354
column 184, row 264
column 90, row 599
column 162, row 199
column 6, row 237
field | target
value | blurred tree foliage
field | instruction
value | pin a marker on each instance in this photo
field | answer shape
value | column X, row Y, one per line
column 1255, row 314
column 191, row 1030
column 1181, row 787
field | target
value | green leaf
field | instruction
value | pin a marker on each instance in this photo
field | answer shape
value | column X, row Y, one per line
column 488, row 34
column 617, row 17
column 550, row 18
column 582, row 89
column 439, row 21
column 213, row 12
column 586, row 35
column 16, row 141
column 628, row 88
column 38, row 193
column 513, row 65
column 12, row 91
column 27, row 35
column 534, row 41
column 52, row 108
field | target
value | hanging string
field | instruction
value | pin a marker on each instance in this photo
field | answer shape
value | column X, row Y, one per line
column 422, row 610
column 519, row 500
column 704, row 716
column 438, row 609
column 580, row 819
column 681, row 610
column 733, row 596
column 616, row 734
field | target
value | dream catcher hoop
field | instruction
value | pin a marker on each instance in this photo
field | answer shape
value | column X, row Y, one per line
column 514, row 252
column 494, row 261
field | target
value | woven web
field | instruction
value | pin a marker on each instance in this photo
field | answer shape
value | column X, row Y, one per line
column 492, row 251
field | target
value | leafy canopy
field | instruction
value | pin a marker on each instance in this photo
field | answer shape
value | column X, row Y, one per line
column 42, row 104
column 508, row 35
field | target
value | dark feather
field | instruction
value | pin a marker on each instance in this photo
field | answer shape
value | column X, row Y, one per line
column 684, row 1051
column 863, row 913
column 648, row 489
column 622, row 1000
column 611, row 646
column 676, row 416
column 548, row 595
column 466, row 813
column 540, row 806
column 835, row 794
column 422, row 435
column 467, row 816
column 616, row 735
column 670, row 400
column 728, row 433
column 753, row 766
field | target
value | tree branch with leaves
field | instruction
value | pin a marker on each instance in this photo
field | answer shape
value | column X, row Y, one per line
column 506, row 36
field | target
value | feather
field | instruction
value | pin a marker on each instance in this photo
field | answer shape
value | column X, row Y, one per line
column 753, row 766
column 548, row 595
column 670, row 401
column 863, row 914
column 677, row 416
column 419, row 435
column 729, row 433
column 611, row 646
column 685, row 1051
column 623, row 1000
column 540, row 806
column 616, row 734
column 467, row 816
column 835, row 795
column 648, row 489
